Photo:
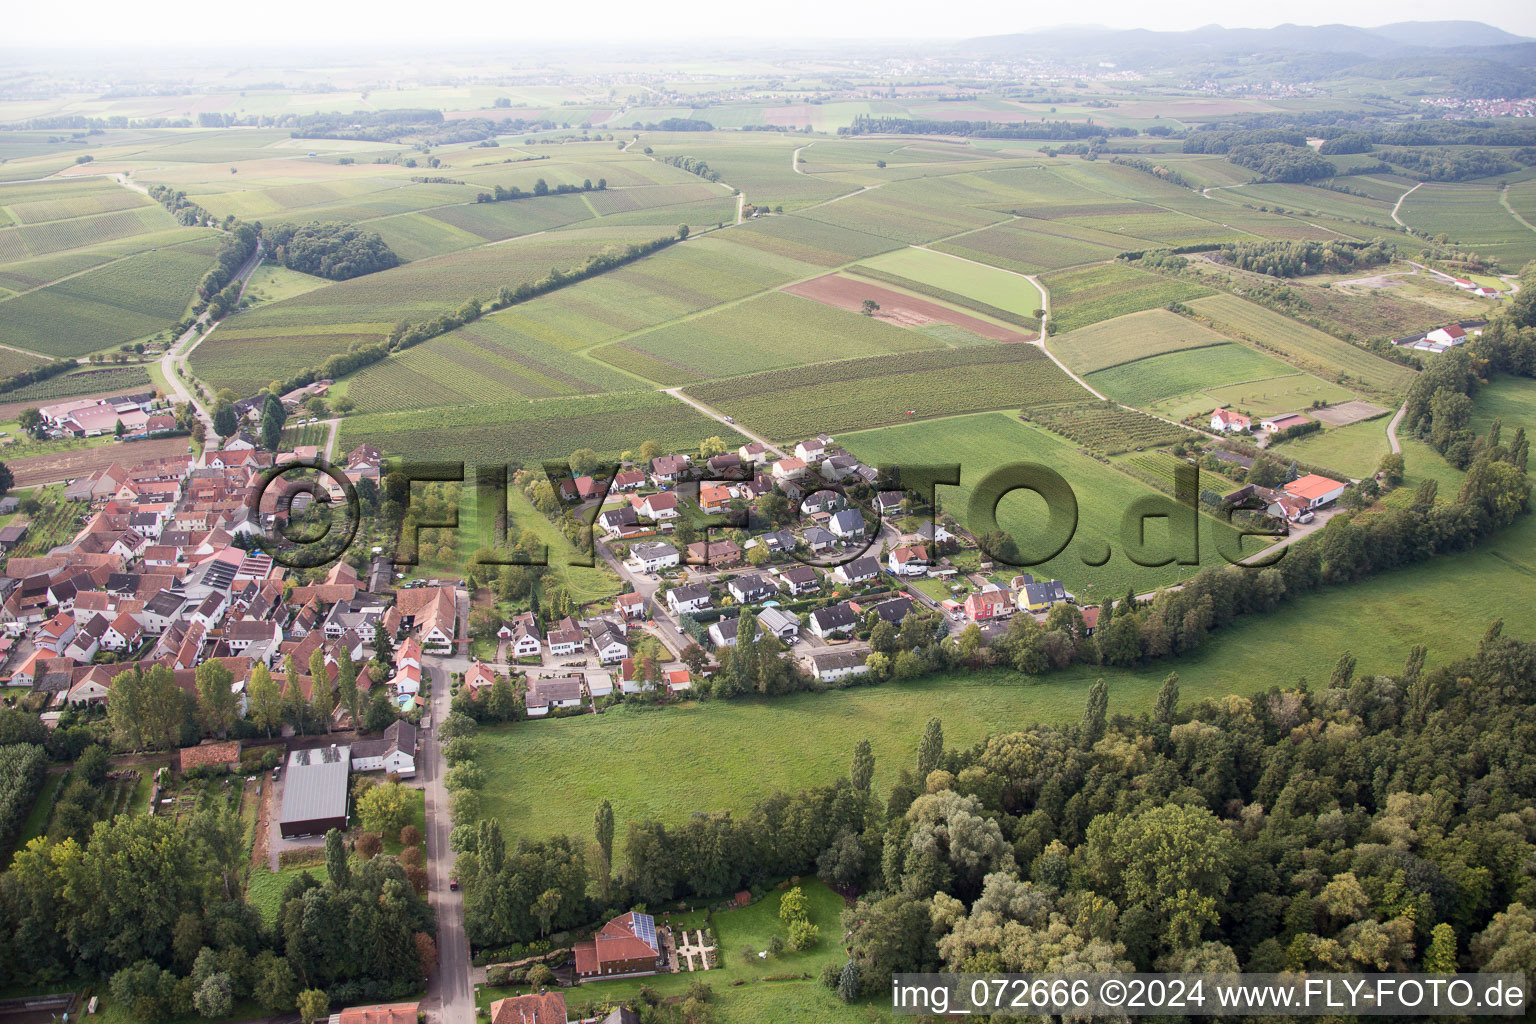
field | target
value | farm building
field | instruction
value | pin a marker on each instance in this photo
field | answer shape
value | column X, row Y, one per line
column 624, row 947
column 315, row 791
column 1285, row 421
column 1315, row 490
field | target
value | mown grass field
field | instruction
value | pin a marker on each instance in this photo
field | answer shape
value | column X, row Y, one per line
column 859, row 393
column 1088, row 295
column 1147, row 382
column 983, row 284
column 1355, row 450
column 768, row 332
column 1304, row 347
column 719, row 755
column 1128, row 338
column 1293, row 393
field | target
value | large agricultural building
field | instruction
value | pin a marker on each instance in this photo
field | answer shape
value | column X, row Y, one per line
column 315, row 792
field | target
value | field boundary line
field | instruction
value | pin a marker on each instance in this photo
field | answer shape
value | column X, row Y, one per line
column 1504, row 202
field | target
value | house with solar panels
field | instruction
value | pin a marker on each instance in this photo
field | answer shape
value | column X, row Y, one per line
column 626, row 947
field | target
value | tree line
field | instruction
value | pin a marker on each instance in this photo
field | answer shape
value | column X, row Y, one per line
column 540, row 188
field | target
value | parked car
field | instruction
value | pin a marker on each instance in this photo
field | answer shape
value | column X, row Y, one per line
column 453, row 883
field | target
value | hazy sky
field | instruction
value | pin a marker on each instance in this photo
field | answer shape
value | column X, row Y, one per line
column 113, row 23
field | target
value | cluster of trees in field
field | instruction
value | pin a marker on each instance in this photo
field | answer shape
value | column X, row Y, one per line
column 865, row 124
column 1279, row 161
column 1364, row 822
column 1153, row 168
column 1295, row 259
column 331, row 250
column 540, row 188
column 1439, row 164
column 1223, row 140
column 1349, row 142
column 693, row 165
column 183, row 209
column 154, row 905
column 675, row 124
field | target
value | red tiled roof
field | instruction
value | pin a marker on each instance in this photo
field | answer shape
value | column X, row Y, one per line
column 535, row 1008
column 383, row 1013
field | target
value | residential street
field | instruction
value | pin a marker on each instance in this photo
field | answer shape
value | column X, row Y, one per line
column 450, row 995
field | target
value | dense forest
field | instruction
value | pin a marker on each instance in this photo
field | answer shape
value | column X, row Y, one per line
column 335, row 251
column 1296, row 259
column 154, row 905
column 1278, row 161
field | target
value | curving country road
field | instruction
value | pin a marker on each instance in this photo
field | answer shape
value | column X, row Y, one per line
column 176, row 353
column 677, row 393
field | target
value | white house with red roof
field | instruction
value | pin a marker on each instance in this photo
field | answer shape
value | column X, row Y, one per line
column 1225, row 421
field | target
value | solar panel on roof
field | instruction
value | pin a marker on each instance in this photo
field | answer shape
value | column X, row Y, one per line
column 645, row 929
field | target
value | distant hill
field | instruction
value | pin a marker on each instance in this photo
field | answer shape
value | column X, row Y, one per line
column 1143, row 46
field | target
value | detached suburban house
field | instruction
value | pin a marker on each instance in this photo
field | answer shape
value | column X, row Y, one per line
column 690, row 597
column 860, row 570
column 393, row 750
column 908, row 560
column 559, row 692
column 1225, row 421
column 831, row 666
column 779, row 622
column 651, row 557
column 837, row 618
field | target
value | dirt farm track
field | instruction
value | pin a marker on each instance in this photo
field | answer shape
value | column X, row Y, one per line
column 58, row 466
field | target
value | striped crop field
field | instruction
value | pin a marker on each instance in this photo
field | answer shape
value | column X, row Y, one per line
column 859, row 393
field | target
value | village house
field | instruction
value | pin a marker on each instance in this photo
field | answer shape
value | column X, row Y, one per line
column 750, row 587
column 714, row 498
column 799, row 579
column 908, row 560
column 565, row 639
column 982, row 605
column 1225, row 421
column 631, row 606
column 625, row 947
column 837, row 619
column 860, row 570
column 780, row 623
column 657, row 507
column 690, row 597
column 754, row 452
column 628, row 480
column 830, row 666
column 558, row 692
column 393, row 750
column 609, row 646
column 652, row 557
column 618, row 522
column 847, row 525
column 717, row 554
column 667, row 470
